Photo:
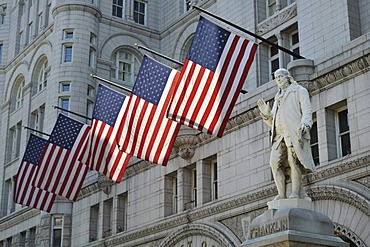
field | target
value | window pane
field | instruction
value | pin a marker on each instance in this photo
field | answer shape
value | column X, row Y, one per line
column 295, row 38
column 274, row 65
column 343, row 121
column 315, row 154
column 68, row 54
column 57, row 237
column 346, row 145
column 313, row 133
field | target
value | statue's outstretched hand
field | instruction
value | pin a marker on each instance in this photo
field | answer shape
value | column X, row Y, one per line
column 263, row 107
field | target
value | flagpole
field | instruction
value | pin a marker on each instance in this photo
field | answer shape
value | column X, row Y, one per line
column 74, row 113
column 111, row 83
column 159, row 54
column 37, row 131
column 249, row 32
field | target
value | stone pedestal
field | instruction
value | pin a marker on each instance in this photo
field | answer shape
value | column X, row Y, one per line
column 291, row 222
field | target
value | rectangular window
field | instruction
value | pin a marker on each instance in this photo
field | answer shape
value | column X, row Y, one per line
column 1, row 53
column 344, row 146
column 3, row 14
column 274, row 58
column 92, row 57
column 294, row 43
column 68, row 34
column 30, row 32
column 314, row 142
column 89, row 111
column 10, row 205
column 92, row 39
column 337, row 130
column 107, row 218
column 122, row 212
column 170, row 194
column 57, row 231
column 271, row 7
column 93, row 227
column 90, row 91
column 38, row 118
column 194, row 186
column 67, row 51
column 40, row 20
column 117, row 8
column 64, row 104
column 22, row 239
column 15, row 136
column 64, row 86
column 139, row 12
column 214, row 179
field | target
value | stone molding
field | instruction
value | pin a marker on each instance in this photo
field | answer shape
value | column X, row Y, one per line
column 78, row 6
column 337, row 170
column 193, row 230
column 341, row 194
column 18, row 218
column 277, row 19
column 332, row 78
column 349, row 234
column 316, row 193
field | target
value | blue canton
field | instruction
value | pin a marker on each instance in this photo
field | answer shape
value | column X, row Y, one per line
column 34, row 149
column 65, row 132
column 208, row 44
column 151, row 80
column 107, row 105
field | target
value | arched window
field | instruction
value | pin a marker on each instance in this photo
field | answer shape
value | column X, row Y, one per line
column 125, row 67
column 42, row 80
column 19, row 95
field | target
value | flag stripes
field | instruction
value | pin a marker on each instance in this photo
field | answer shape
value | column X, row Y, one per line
column 204, row 98
column 24, row 193
column 60, row 172
column 145, row 132
column 103, row 154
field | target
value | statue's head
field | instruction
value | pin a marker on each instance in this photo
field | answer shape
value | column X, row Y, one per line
column 283, row 78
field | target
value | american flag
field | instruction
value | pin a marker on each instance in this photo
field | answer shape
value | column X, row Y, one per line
column 213, row 74
column 145, row 132
column 103, row 154
column 24, row 192
column 60, row 171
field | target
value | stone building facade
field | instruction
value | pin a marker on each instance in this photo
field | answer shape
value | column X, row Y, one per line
column 211, row 188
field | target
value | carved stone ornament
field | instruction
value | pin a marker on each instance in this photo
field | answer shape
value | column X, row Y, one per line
column 186, row 143
column 277, row 19
column 105, row 184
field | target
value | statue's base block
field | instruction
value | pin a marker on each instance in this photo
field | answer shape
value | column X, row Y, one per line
column 290, row 222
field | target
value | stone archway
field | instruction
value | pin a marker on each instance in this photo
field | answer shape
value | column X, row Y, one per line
column 349, row 211
column 197, row 235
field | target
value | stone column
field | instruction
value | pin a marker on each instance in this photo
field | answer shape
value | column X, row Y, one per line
column 301, row 69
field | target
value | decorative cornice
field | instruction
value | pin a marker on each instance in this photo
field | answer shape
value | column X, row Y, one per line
column 335, row 76
column 78, row 6
column 18, row 217
column 335, row 171
column 277, row 19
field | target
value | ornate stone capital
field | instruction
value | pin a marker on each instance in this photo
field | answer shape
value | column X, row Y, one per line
column 105, row 184
column 186, row 143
